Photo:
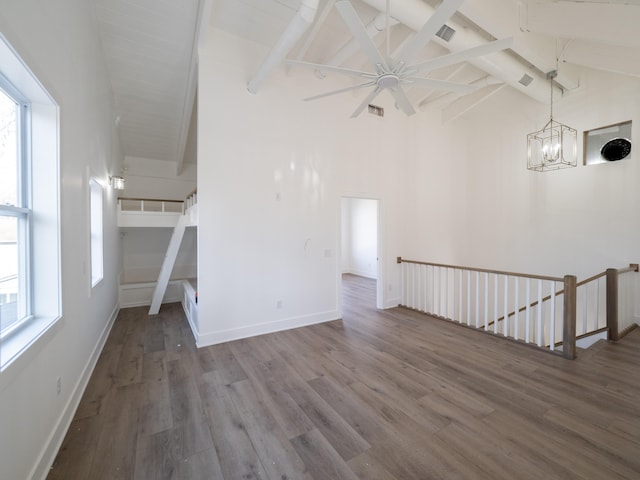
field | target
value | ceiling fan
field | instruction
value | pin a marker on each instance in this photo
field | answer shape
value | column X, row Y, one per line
column 393, row 73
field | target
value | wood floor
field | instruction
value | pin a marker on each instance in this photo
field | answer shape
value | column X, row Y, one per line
column 380, row 395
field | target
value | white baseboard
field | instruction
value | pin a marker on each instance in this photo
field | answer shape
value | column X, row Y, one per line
column 54, row 442
column 392, row 302
column 213, row 338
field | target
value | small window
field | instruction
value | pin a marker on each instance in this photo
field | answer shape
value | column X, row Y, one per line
column 95, row 191
column 607, row 144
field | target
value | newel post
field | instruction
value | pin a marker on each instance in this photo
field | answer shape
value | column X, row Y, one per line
column 569, row 313
column 612, row 303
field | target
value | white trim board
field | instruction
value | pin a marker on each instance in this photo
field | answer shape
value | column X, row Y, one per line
column 213, row 338
column 139, row 294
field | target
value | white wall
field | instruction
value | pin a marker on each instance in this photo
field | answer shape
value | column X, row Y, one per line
column 58, row 41
column 157, row 179
column 144, row 250
column 271, row 172
column 360, row 237
column 452, row 193
column 478, row 206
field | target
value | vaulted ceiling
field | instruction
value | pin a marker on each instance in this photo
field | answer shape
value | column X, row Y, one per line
column 151, row 51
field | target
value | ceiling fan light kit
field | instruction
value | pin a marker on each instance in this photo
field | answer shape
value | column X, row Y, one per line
column 392, row 74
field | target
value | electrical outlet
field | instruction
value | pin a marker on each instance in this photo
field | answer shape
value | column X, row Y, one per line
column 58, row 385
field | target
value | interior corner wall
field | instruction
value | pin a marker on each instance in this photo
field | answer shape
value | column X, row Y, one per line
column 59, row 43
column 140, row 184
column 144, row 249
column 271, row 172
column 479, row 206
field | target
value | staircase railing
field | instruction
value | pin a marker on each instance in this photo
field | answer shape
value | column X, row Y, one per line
column 621, row 285
column 547, row 312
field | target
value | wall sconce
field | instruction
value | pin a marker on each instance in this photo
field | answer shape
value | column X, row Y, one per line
column 117, row 182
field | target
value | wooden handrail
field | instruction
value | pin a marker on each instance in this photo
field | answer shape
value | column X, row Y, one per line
column 483, row 270
column 569, row 290
column 591, row 279
column 633, row 267
column 150, row 200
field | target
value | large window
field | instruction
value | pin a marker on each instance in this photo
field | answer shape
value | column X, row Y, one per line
column 30, row 283
column 15, row 214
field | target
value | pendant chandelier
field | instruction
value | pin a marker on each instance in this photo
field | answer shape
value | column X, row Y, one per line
column 553, row 147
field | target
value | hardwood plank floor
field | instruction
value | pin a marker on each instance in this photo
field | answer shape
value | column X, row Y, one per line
column 388, row 394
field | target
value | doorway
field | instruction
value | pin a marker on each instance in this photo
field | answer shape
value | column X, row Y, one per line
column 360, row 245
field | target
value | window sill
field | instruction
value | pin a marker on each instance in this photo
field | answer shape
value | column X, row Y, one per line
column 16, row 345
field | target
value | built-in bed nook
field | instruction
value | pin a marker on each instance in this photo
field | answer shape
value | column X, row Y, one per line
column 159, row 244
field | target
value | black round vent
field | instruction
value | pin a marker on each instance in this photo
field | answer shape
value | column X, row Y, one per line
column 616, row 149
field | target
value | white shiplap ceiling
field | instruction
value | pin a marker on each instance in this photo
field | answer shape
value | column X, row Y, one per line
column 150, row 50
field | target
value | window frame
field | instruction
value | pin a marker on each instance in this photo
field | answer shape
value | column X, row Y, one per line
column 40, row 192
column 96, row 231
column 22, row 211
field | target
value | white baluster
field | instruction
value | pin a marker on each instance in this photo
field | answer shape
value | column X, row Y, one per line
column 539, row 334
column 468, row 297
column 402, row 285
column 446, row 292
column 439, row 292
column 597, row 316
column 477, row 299
column 527, row 313
column 495, row 303
column 505, row 323
column 419, row 288
column 552, row 319
column 460, row 298
column 585, row 313
column 425, row 293
column 486, row 301
column 516, row 310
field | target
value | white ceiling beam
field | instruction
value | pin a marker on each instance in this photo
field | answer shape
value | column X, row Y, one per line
column 317, row 26
column 424, row 99
column 498, row 17
column 202, row 25
column 468, row 102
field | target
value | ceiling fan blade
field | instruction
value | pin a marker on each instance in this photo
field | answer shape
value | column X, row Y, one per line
column 428, row 30
column 359, row 32
column 332, row 68
column 374, row 93
column 439, row 85
column 342, row 90
column 463, row 55
column 402, row 100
